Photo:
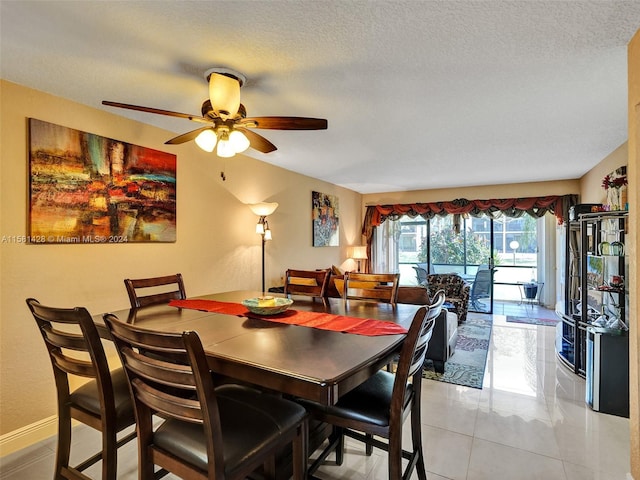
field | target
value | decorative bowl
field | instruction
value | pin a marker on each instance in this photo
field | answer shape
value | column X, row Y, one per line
column 266, row 305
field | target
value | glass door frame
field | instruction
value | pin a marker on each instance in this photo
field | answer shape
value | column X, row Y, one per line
column 398, row 246
column 465, row 269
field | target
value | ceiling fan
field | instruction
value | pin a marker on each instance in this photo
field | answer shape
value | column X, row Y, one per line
column 225, row 118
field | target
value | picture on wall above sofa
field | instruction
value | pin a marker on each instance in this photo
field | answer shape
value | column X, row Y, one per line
column 326, row 219
column 84, row 188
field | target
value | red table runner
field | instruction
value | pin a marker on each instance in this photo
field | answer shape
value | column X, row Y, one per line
column 322, row 321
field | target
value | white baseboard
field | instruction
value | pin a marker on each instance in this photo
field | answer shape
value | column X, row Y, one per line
column 629, row 476
column 28, row 435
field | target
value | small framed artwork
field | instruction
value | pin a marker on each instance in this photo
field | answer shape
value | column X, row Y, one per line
column 84, row 188
column 595, row 302
column 326, row 220
column 595, row 271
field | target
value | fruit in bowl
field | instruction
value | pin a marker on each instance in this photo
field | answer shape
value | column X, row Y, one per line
column 266, row 301
column 267, row 305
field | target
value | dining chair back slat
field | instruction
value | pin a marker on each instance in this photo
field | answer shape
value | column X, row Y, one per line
column 312, row 283
column 381, row 287
column 156, row 290
column 103, row 403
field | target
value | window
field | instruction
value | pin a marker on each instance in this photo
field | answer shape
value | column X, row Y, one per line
column 511, row 245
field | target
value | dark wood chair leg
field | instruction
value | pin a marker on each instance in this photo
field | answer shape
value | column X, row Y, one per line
column 368, row 449
column 416, row 428
column 300, row 453
column 395, row 457
column 145, row 465
column 270, row 467
column 109, row 455
column 64, row 444
column 340, row 446
column 416, row 438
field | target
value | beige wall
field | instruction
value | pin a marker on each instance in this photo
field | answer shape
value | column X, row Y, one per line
column 591, row 190
column 633, row 247
column 217, row 248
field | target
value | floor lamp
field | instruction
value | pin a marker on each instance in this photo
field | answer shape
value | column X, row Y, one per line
column 263, row 210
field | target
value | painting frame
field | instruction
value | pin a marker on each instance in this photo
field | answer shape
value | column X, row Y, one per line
column 595, row 271
column 325, row 212
column 89, row 189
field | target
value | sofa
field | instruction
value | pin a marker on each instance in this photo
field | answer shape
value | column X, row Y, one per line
column 456, row 292
column 445, row 330
column 443, row 339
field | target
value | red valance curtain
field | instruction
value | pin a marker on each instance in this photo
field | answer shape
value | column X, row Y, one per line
column 511, row 207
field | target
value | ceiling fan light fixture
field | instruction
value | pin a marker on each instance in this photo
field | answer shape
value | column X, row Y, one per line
column 239, row 141
column 225, row 148
column 223, row 114
column 224, row 91
column 206, row 140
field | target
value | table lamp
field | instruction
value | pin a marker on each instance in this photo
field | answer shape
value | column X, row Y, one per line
column 359, row 253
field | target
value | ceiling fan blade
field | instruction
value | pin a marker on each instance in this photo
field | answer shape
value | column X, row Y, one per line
column 158, row 111
column 185, row 137
column 288, row 123
column 257, row 141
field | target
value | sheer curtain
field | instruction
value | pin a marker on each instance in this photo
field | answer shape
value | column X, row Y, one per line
column 384, row 248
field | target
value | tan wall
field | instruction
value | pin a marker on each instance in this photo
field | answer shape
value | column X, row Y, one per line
column 560, row 187
column 591, row 190
column 633, row 247
column 217, row 248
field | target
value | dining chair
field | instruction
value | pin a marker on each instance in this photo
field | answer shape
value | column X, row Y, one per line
column 158, row 290
column 103, row 403
column 208, row 432
column 381, row 287
column 312, row 283
column 381, row 404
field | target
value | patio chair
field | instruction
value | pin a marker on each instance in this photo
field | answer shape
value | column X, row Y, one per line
column 480, row 289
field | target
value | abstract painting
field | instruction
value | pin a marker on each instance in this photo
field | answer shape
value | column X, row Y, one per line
column 326, row 216
column 85, row 188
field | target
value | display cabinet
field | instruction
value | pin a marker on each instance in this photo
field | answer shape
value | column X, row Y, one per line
column 568, row 337
column 596, row 295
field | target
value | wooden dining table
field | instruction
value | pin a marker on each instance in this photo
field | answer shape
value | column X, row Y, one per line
column 305, row 362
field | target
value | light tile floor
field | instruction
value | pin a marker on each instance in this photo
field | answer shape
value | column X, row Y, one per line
column 529, row 421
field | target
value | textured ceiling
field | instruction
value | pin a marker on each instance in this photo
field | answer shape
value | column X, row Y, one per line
column 418, row 94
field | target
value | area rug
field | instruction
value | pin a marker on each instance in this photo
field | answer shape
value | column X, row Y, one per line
column 466, row 366
column 548, row 322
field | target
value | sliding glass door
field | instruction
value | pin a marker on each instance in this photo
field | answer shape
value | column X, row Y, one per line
column 498, row 257
column 415, row 247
